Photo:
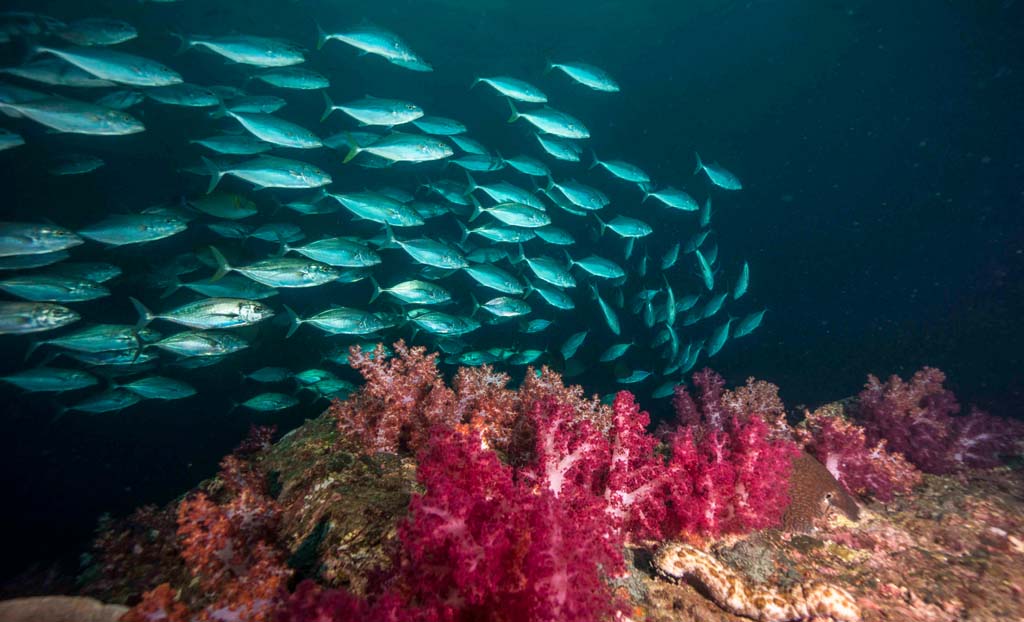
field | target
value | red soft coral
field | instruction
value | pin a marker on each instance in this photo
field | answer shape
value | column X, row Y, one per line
column 861, row 467
column 917, row 419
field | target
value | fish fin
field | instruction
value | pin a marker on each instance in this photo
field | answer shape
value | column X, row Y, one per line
column 593, row 155
column 184, row 44
column 568, row 258
column 548, row 66
column 61, row 409
column 471, row 184
column 145, row 315
column 328, row 109
column 215, row 174
column 647, row 195
column 376, row 289
column 700, row 164
column 477, row 210
column 389, row 237
column 294, row 320
column 515, row 113
column 32, row 347
column 475, row 82
column 520, row 255
column 353, row 149
column 602, row 224
column 321, row 37
column 551, row 183
column 173, row 287
column 465, row 232
column 222, row 264
column 476, row 304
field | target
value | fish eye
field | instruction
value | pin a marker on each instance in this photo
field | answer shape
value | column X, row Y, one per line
column 828, row 496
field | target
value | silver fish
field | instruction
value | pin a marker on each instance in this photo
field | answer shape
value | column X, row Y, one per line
column 20, row 318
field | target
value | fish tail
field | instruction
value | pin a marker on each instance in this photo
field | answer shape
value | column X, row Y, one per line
column 173, row 287
column 529, row 287
column 515, row 113
column 328, row 108
column 294, row 319
column 548, row 66
column 61, row 410
column 476, row 304
column 215, row 174
column 376, row 289
column 593, row 155
column 183, row 45
column 353, row 149
column 471, row 184
column 222, row 264
column 145, row 315
column 32, row 347
column 647, row 195
column 602, row 224
column 520, row 254
column 700, row 164
column 477, row 210
column 321, row 36
column 389, row 237
column 551, row 183
column 475, row 82
column 465, row 232
column 568, row 258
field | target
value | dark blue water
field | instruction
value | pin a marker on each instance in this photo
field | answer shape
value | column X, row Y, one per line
column 878, row 143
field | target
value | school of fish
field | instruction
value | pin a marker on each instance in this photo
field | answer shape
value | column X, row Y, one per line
column 536, row 258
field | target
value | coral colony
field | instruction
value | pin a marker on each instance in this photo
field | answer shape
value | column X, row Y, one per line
column 522, row 504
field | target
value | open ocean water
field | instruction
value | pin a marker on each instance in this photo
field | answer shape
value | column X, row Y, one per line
column 878, row 144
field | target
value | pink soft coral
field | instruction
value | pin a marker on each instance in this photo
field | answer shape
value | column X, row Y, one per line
column 917, row 419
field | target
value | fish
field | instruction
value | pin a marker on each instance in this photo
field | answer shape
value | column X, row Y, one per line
column 495, row 278
column 413, row 292
column 75, row 117
column 718, row 175
column 20, row 238
column 375, row 111
column 201, row 343
column 399, row 147
column 56, row 72
column 53, row 288
column 279, row 271
column 548, row 270
column 275, row 131
column 718, row 337
column 377, row 41
column 742, row 282
column 21, row 318
column 581, row 195
column 430, row 252
column 573, row 343
column 158, row 388
column 230, row 286
column 100, row 338
column 468, row 144
column 227, row 205
column 209, row 313
column 626, row 227
column 269, row 402
column 555, row 235
column 705, row 213
column 76, row 164
column 295, row 78
column 267, row 104
column 95, row 271
column 622, row 170
column 551, row 121
column 126, row 229
column 504, row 306
column 440, row 323
column 610, row 317
column 112, row 400
column 339, row 321
column 670, row 257
column 247, row 49
column 587, row 75
column 269, row 375
column 673, row 197
column 98, row 31
column 439, row 126
column 634, row 377
column 378, row 208
column 554, row 297
column 10, row 140
column 343, row 252
column 183, row 94
column 514, row 214
column 748, row 323
column 528, row 166
column 705, row 270
column 117, row 67
column 615, row 352
column 514, row 88
column 504, row 192
column 269, row 172
column 50, row 380
column 597, row 266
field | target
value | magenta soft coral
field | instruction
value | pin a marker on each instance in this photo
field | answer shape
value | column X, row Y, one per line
column 918, row 419
column 737, row 468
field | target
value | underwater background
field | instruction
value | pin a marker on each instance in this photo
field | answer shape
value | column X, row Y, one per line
column 878, row 144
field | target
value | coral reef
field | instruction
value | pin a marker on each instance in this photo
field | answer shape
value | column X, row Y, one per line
column 420, row 500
